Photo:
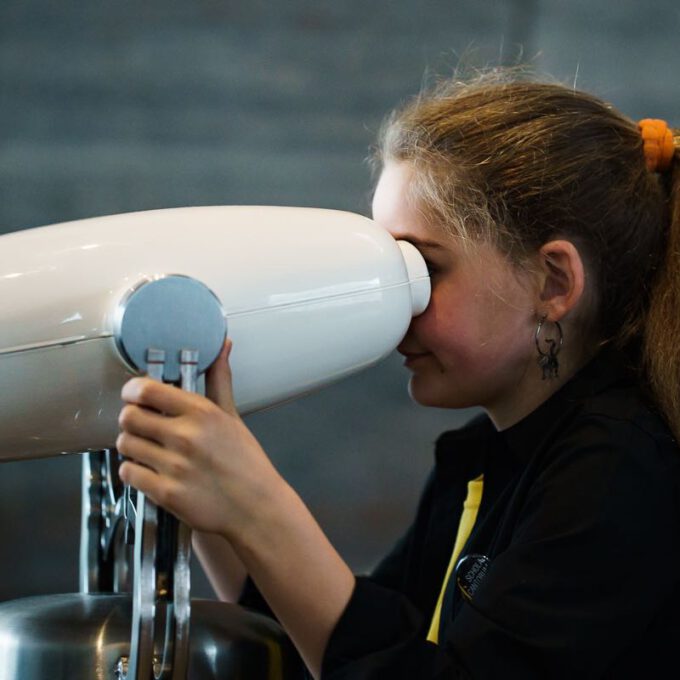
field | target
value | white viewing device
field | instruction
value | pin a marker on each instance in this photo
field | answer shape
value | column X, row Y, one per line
column 307, row 296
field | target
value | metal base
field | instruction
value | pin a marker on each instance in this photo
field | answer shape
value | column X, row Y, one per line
column 87, row 637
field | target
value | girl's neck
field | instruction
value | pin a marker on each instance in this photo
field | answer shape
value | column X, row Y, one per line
column 533, row 390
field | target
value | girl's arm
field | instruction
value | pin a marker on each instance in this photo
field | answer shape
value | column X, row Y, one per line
column 221, row 564
column 298, row 572
column 195, row 457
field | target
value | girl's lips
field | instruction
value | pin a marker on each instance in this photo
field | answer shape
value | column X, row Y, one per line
column 412, row 357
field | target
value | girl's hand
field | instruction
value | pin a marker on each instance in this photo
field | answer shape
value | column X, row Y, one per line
column 193, row 455
column 196, row 458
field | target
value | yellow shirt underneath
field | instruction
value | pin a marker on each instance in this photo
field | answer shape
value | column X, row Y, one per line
column 467, row 521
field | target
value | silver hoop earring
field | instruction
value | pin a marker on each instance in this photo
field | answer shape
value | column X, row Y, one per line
column 547, row 357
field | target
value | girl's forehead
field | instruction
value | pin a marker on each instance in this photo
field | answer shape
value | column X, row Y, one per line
column 392, row 191
column 394, row 207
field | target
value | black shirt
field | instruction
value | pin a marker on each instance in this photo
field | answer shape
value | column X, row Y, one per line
column 580, row 521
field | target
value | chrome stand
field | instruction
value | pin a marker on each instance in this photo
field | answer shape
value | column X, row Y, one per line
column 133, row 616
column 115, row 516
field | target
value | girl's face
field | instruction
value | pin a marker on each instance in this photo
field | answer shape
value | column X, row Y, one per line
column 473, row 345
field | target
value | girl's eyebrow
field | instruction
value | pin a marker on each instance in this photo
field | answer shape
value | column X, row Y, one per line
column 423, row 243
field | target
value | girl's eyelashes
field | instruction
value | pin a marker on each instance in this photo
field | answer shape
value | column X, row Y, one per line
column 431, row 268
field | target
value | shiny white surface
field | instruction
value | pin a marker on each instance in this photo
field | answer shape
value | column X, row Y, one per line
column 310, row 296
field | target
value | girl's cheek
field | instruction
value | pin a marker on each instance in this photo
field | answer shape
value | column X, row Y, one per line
column 421, row 325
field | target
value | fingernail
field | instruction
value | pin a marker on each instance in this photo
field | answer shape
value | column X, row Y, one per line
column 131, row 388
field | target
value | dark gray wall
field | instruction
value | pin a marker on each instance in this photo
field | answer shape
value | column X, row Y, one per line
column 115, row 106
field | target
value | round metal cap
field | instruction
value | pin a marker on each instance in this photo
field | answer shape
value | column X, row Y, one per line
column 172, row 313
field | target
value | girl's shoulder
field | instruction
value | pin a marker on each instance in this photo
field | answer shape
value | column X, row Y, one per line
column 602, row 424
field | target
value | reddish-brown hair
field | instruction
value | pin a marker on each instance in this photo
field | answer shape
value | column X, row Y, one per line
column 517, row 163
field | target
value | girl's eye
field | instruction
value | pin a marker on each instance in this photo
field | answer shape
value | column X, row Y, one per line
column 431, row 268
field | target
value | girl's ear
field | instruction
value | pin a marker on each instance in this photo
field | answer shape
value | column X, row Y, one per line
column 563, row 278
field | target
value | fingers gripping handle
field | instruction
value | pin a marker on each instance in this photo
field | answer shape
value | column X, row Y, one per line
column 172, row 328
column 162, row 577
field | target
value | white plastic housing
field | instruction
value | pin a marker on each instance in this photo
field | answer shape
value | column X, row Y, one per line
column 310, row 296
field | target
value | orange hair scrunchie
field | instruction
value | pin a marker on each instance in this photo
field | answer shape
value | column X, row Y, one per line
column 657, row 139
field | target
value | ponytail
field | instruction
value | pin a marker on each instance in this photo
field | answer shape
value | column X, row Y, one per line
column 661, row 346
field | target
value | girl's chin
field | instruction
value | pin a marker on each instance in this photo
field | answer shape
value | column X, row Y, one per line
column 422, row 393
column 426, row 391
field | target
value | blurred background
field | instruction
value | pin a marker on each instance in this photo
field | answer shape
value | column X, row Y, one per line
column 115, row 106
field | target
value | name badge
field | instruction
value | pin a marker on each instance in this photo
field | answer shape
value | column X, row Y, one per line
column 470, row 572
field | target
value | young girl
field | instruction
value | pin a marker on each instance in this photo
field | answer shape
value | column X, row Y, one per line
column 547, row 540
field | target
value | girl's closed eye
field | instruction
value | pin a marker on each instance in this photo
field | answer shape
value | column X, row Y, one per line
column 431, row 267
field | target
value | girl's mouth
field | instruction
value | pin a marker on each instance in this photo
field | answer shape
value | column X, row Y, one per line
column 411, row 358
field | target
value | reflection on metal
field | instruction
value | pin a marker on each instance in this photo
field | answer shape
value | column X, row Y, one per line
column 133, row 617
column 87, row 637
column 123, row 665
column 121, row 669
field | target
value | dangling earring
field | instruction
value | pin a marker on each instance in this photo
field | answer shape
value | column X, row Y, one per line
column 547, row 358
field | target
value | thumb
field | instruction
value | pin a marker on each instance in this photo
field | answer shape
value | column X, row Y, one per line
column 218, row 381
